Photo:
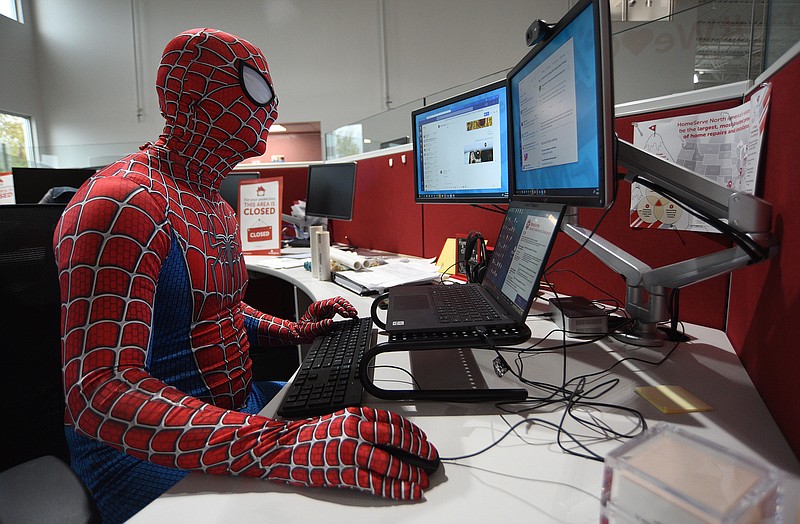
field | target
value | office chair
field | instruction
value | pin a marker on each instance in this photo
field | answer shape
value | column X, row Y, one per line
column 36, row 484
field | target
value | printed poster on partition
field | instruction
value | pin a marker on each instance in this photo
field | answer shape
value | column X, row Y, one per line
column 7, row 188
column 260, row 215
column 722, row 146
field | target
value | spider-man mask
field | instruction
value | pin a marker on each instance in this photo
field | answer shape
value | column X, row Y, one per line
column 215, row 92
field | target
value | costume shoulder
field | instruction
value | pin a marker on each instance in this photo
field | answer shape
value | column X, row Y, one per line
column 132, row 172
column 121, row 199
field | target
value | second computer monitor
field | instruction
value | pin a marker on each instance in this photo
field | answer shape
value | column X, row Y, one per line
column 32, row 183
column 461, row 148
column 331, row 189
column 561, row 113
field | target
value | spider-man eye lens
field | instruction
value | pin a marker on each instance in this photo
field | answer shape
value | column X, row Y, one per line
column 255, row 86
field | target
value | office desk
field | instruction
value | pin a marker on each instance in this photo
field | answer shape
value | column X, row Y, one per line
column 526, row 475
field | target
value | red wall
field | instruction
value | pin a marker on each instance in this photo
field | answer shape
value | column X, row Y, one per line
column 765, row 299
column 385, row 216
column 293, row 147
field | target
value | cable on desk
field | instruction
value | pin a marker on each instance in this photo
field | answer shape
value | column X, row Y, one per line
column 574, row 395
column 582, row 245
column 753, row 249
column 398, row 368
column 445, row 270
column 597, row 225
column 618, row 304
column 373, row 310
column 522, row 352
column 493, row 209
column 571, row 398
column 502, row 437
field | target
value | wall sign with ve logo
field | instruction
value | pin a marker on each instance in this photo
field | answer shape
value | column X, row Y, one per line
column 260, row 215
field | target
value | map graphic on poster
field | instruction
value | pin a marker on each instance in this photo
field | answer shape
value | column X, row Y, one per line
column 260, row 215
column 721, row 146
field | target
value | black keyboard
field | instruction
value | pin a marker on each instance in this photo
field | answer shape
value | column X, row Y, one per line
column 328, row 380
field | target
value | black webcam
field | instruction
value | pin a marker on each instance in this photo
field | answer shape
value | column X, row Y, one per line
column 538, row 31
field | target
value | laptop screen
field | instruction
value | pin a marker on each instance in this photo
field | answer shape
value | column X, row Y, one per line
column 520, row 254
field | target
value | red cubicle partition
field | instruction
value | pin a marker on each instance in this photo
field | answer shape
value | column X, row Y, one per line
column 385, row 216
column 295, row 182
column 765, row 299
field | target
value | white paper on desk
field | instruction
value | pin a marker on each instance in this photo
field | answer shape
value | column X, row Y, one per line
column 280, row 262
column 303, row 255
column 394, row 273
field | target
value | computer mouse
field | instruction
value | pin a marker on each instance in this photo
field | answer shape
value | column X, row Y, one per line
column 429, row 466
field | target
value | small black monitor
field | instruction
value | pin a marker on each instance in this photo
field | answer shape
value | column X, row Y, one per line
column 331, row 189
column 229, row 189
column 33, row 183
column 561, row 113
column 461, row 148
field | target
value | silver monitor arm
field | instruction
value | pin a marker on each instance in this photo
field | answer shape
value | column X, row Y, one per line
column 749, row 219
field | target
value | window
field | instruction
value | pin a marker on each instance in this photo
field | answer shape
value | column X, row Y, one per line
column 11, row 9
column 640, row 11
column 16, row 142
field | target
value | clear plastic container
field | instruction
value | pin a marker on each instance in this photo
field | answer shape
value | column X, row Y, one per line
column 669, row 475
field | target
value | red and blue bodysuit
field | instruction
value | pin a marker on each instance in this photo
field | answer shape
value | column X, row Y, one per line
column 155, row 333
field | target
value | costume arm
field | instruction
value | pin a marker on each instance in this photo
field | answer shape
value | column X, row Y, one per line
column 110, row 246
column 317, row 320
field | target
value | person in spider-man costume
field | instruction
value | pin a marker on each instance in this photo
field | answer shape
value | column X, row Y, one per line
column 155, row 334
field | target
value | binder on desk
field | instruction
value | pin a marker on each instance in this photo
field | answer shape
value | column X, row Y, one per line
column 376, row 279
column 341, row 278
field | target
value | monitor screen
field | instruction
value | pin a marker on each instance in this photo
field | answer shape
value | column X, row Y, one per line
column 331, row 188
column 562, row 113
column 461, row 148
column 229, row 189
column 32, row 183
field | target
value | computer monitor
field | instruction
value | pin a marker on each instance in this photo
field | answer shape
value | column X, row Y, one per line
column 229, row 189
column 32, row 183
column 331, row 189
column 461, row 148
column 561, row 113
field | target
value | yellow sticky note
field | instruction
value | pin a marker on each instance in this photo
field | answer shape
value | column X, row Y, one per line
column 672, row 399
column 447, row 258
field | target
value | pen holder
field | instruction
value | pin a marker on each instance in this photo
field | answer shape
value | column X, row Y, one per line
column 314, row 245
column 323, row 255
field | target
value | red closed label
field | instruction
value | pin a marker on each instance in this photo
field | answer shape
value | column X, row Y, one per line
column 258, row 234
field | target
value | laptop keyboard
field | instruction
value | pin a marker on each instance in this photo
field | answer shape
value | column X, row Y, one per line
column 328, row 380
column 462, row 304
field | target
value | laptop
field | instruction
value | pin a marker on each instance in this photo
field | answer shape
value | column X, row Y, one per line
column 509, row 286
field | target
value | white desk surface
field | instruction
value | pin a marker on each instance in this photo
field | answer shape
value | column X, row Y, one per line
column 526, row 476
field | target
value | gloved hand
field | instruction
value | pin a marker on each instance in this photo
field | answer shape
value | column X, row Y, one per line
column 325, row 309
column 315, row 321
column 343, row 449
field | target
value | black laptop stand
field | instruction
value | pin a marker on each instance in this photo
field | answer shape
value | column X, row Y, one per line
column 443, row 340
